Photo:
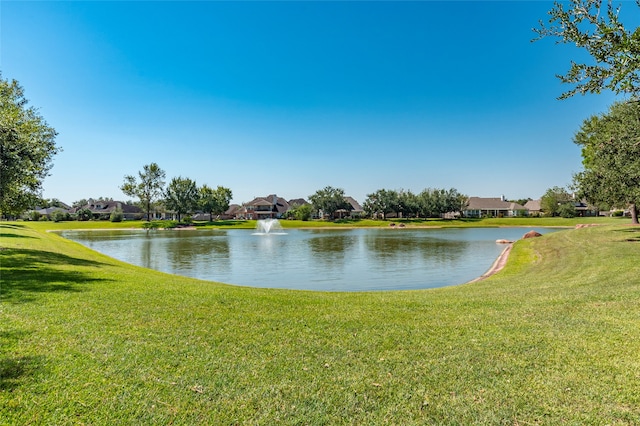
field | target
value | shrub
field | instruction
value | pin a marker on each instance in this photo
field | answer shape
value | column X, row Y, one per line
column 304, row 212
column 567, row 210
column 84, row 214
column 150, row 225
column 116, row 216
column 34, row 215
column 59, row 216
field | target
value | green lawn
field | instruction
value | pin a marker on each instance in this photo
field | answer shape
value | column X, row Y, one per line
column 346, row 223
column 553, row 338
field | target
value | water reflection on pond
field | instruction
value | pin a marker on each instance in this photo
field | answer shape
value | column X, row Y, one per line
column 328, row 260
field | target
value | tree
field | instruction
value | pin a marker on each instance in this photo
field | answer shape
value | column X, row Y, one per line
column 116, row 215
column 59, row 215
column 567, row 210
column 27, row 147
column 436, row 202
column 614, row 50
column 84, row 214
column 148, row 190
column 303, row 212
column 554, row 199
column 53, row 202
column 409, row 203
column 382, row 202
column 181, row 196
column 329, row 200
column 611, row 158
column 80, row 203
column 215, row 201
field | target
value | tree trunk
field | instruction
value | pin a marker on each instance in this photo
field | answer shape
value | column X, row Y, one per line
column 634, row 214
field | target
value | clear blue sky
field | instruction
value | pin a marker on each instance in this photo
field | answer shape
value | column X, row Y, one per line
column 289, row 97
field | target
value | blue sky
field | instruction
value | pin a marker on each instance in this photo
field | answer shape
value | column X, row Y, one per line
column 289, row 97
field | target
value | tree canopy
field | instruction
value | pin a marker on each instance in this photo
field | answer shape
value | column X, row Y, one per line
column 428, row 203
column 181, row 196
column 329, row 200
column 382, row 202
column 611, row 157
column 214, row 201
column 598, row 29
column 27, row 147
column 148, row 189
column 557, row 201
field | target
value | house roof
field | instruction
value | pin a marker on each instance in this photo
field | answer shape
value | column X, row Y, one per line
column 50, row 210
column 478, row 203
column 355, row 206
column 298, row 202
column 278, row 204
column 532, row 205
column 233, row 209
column 109, row 206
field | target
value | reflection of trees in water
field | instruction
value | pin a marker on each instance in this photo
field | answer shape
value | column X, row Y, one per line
column 184, row 252
column 408, row 248
column 146, row 254
column 331, row 248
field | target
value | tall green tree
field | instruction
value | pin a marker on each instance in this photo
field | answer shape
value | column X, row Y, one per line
column 329, row 200
column 436, row 202
column 382, row 202
column 409, row 203
column 598, row 29
column 148, row 189
column 27, row 147
column 611, row 157
column 554, row 201
column 302, row 212
column 181, row 196
column 215, row 201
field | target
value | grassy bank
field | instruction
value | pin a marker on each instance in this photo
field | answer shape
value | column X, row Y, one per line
column 347, row 223
column 553, row 338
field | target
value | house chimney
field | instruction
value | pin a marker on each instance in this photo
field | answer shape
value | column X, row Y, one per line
column 502, row 198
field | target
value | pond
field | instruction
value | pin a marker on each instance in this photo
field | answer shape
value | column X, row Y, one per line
column 322, row 260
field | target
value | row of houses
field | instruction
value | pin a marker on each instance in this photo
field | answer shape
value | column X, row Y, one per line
column 500, row 207
column 100, row 209
column 274, row 207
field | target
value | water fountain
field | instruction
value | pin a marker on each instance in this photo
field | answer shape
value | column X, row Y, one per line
column 269, row 227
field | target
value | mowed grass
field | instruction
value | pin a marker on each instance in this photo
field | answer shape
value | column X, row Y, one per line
column 554, row 338
column 348, row 223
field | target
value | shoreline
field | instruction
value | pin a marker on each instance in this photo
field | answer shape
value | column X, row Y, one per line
column 497, row 265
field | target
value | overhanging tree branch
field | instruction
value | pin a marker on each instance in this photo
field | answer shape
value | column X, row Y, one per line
column 615, row 51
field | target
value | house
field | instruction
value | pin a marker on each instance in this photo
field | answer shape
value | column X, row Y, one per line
column 354, row 211
column 582, row 209
column 492, row 207
column 102, row 209
column 50, row 210
column 585, row 210
column 269, row 207
column 230, row 213
column 533, row 207
column 296, row 202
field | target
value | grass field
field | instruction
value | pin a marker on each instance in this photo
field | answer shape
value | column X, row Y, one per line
column 553, row 338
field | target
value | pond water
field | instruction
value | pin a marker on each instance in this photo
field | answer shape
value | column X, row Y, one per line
column 324, row 260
